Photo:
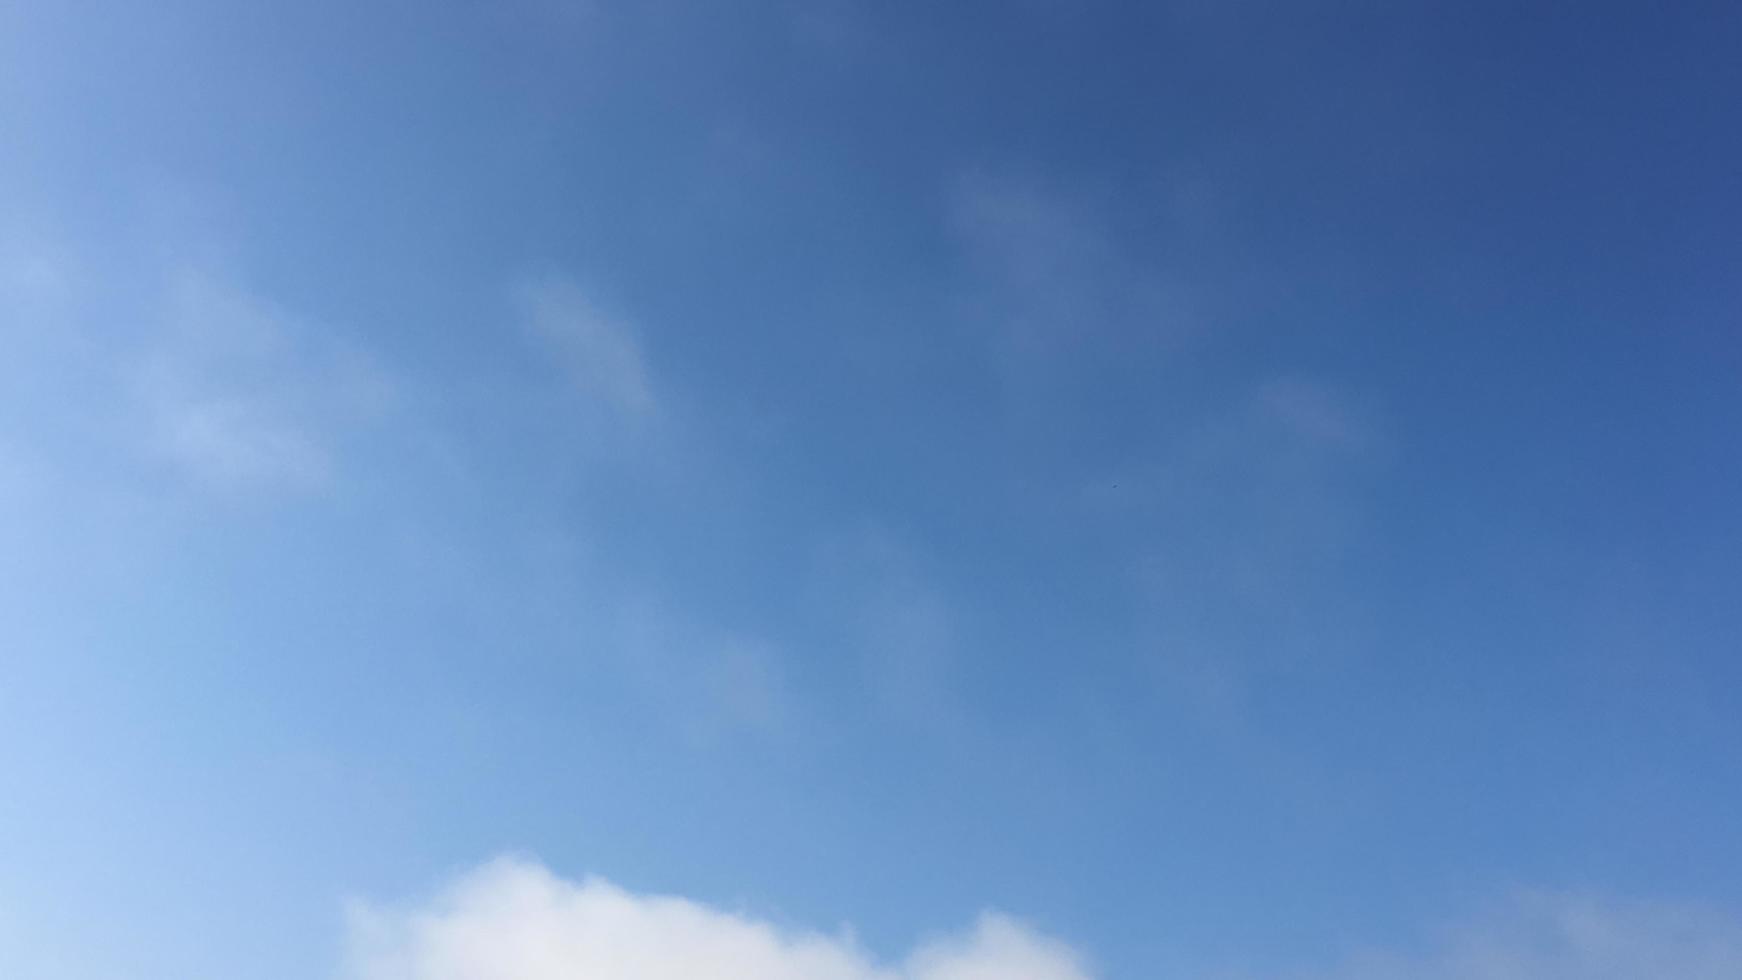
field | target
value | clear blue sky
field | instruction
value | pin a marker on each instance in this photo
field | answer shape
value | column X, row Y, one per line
column 1231, row 485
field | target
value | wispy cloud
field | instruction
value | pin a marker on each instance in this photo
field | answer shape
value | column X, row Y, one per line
column 888, row 612
column 177, row 364
column 1317, row 414
column 597, row 348
column 1242, row 528
column 704, row 681
column 1054, row 272
column 513, row 920
column 238, row 394
column 1542, row 936
column 833, row 27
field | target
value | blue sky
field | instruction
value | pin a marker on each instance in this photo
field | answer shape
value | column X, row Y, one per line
column 1038, row 490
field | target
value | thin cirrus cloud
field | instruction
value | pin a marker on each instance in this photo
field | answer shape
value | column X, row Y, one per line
column 1053, row 271
column 1548, row 936
column 597, row 348
column 237, row 396
column 513, row 920
column 177, row 366
column 706, row 681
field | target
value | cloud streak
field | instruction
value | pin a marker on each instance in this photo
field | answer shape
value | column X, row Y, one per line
column 238, row 395
column 1053, row 272
column 1243, row 532
column 1542, row 936
column 597, row 349
column 173, row 364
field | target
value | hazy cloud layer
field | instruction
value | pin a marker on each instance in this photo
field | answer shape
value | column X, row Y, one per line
column 1249, row 523
column 515, row 921
column 597, row 348
column 177, row 364
column 1053, row 272
column 1564, row 937
column 237, row 394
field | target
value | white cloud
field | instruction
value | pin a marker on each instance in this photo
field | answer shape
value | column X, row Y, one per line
column 1257, row 506
column 172, row 362
column 1316, row 412
column 832, row 27
column 903, row 627
column 710, row 683
column 1566, row 937
column 747, row 687
column 238, row 395
column 1054, row 272
column 33, row 281
column 515, row 921
column 598, row 349
column 234, row 442
column 1034, row 232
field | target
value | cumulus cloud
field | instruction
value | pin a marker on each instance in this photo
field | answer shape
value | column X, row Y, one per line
column 598, row 349
column 513, row 920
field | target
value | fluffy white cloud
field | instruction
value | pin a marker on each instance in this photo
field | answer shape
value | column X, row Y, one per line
column 515, row 921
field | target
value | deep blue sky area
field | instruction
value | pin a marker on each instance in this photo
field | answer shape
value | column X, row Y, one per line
column 1247, row 490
